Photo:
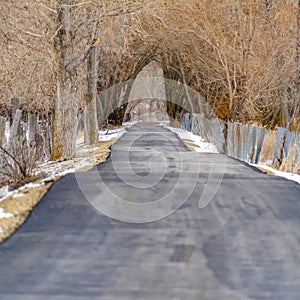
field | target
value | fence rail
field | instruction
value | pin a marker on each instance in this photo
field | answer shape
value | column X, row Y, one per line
column 252, row 144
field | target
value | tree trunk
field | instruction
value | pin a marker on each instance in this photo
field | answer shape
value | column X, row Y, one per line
column 65, row 120
column 298, row 37
column 32, row 127
column 298, row 61
column 90, row 115
column 65, row 116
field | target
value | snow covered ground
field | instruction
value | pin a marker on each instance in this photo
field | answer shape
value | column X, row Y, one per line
column 18, row 192
column 289, row 176
column 86, row 157
column 110, row 134
column 196, row 141
column 4, row 215
column 53, row 169
column 202, row 146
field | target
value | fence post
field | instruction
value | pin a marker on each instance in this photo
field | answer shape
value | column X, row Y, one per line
column 235, row 139
column 32, row 127
column 14, row 131
column 261, row 132
column 290, row 140
column 187, row 121
column 252, row 144
column 2, row 131
column 244, row 145
column 15, row 102
column 280, row 133
column 279, row 158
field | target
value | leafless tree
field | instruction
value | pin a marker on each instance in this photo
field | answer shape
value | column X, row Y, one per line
column 241, row 56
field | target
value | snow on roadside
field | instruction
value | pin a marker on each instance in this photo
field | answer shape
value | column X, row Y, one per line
column 289, row 176
column 129, row 124
column 79, row 164
column 208, row 147
column 4, row 215
column 53, row 169
column 18, row 192
column 29, row 185
column 200, row 144
column 7, row 194
column 20, row 195
column 108, row 135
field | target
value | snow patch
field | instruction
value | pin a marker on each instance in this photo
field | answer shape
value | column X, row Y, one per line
column 6, row 196
column 200, row 145
column 4, row 215
column 53, row 169
column 165, row 123
column 129, row 124
column 1, row 231
column 69, row 171
column 108, row 135
column 18, row 195
column 83, row 164
column 29, row 185
column 289, row 176
column 3, row 192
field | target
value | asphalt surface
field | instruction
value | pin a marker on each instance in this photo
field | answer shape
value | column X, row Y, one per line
column 243, row 243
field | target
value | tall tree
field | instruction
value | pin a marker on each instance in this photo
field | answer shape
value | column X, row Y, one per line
column 298, row 33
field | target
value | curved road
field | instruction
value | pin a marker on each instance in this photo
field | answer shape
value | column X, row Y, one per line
column 244, row 244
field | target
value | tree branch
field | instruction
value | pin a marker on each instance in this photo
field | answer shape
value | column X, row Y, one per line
column 15, row 160
column 77, row 60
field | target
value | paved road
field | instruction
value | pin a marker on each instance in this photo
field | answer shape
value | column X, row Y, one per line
column 245, row 244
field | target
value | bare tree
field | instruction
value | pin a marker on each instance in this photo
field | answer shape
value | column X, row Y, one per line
column 239, row 55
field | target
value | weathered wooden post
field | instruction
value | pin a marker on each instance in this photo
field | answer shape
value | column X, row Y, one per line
column 279, row 158
column 14, row 131
column 32, row 127
column 15, row 102
column 2, row 131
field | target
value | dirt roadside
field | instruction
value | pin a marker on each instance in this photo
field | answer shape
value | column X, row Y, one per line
column 18, row 206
